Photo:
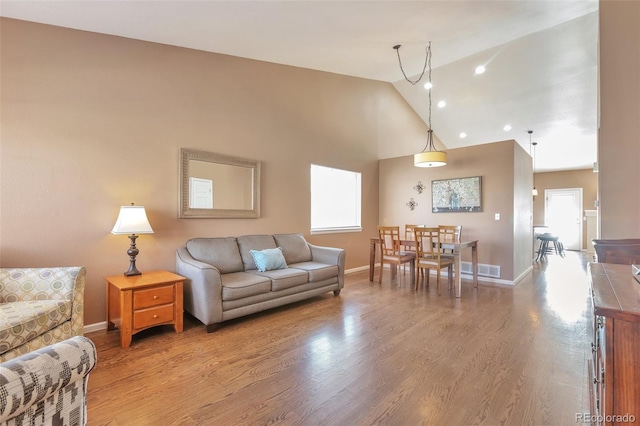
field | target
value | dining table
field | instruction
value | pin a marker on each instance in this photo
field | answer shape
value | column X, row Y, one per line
column 455, row 247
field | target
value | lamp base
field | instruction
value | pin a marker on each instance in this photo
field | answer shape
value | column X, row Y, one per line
column 132, row 271
column 132, row 252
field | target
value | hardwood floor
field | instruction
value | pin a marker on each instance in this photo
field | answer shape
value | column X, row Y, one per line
column 377, row 354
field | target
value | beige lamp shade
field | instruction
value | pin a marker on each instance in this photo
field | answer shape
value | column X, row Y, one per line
column 132, row 220
column 430, row 159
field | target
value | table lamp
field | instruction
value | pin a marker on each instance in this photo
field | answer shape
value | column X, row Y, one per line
column 132, row 220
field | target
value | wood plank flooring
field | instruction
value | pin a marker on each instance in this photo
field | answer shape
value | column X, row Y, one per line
column 375, row 355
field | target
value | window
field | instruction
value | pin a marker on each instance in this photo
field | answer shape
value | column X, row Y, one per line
column 335, row 200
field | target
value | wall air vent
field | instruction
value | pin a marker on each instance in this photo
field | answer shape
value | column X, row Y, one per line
column 484, row 270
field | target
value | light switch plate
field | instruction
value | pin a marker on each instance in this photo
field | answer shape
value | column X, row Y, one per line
column 497, row 216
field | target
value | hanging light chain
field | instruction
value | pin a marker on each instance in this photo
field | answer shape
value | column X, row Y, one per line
column 430, row 145
column 429, row 156
column 429, row 64
column 426, row 59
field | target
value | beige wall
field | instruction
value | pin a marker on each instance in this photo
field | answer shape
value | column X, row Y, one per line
column 91, row 122
column 495, row 163
column 585, row 179
column 619, row 127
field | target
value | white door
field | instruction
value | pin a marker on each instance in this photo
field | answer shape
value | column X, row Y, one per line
column 563, row 215
column 200, row 193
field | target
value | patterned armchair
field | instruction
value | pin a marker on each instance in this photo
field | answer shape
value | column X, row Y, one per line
column 38, row 307
column 48, row 386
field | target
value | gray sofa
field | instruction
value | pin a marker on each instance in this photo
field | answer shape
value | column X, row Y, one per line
column 223, row 281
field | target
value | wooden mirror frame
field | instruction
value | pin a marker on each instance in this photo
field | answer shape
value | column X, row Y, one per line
column 185, row 211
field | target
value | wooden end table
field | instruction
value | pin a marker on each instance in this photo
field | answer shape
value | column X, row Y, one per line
column 143, row 301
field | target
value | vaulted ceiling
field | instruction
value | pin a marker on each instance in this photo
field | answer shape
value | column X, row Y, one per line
column 540, row 56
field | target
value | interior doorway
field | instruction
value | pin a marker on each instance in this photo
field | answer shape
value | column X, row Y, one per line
column 563, row 215
column 200, row 193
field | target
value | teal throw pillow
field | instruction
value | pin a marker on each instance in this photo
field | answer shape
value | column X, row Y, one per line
column 268, row 259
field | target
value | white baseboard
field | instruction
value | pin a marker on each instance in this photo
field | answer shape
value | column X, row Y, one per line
column 358, row 269
column 95, row 327
column 482, row 279
column 522, row 275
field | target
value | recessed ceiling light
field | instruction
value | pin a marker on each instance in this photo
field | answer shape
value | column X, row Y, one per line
column 463, row 135
column 507, row 127
column 480, row 69
column 442, row 104
column 428, row 85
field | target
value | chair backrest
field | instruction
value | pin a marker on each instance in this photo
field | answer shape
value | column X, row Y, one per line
column 408, row 235
column 389, row 240
column 408, row 231
column 427, row 243
column 450, row 233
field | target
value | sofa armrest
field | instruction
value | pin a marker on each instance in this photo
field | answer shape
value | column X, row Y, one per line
column 330, row 256
column 48, row 383
column 202, row 288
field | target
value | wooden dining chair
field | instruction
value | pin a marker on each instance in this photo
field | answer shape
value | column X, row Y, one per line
column 391, row 251
column 450, row 234
column 429, row 256
column 408, row 231
column 408, row 235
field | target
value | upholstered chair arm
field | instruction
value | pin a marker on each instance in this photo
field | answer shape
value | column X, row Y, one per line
column 330, row 256
column 202, row 288
column 56, row 283
column 47, row 385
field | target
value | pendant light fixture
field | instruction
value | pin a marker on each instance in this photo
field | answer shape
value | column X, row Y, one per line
column 532, row 150
column 430, row 156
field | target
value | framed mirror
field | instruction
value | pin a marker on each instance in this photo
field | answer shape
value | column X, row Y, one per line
column 218, row 186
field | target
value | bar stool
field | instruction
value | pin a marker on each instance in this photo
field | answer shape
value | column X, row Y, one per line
column 545, row 248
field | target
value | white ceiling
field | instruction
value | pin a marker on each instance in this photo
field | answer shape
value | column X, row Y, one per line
column 540, row 55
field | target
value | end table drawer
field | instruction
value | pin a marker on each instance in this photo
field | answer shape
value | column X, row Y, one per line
column 150, row 317
column 153, row 297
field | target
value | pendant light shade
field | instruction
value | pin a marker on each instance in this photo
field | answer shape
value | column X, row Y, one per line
column 430, row 156
column 430, row 159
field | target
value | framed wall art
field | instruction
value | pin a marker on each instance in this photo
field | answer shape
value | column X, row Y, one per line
column 456, row 195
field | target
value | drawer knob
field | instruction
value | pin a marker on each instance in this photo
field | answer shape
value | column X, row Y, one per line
column 155, row 297
column 155, row 316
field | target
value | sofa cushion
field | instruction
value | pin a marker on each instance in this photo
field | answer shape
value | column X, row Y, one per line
column 284, row 278
column 21, row 322
column 237, row 285
column 223, row 253
column 246, row 243
column 317, row 271
column 294, row 247
column 268, row 259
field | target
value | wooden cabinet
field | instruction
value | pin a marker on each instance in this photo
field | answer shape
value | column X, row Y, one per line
column 139, row 302
column 614, row 369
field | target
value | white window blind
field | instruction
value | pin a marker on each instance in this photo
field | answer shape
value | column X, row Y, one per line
column 335, row 200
